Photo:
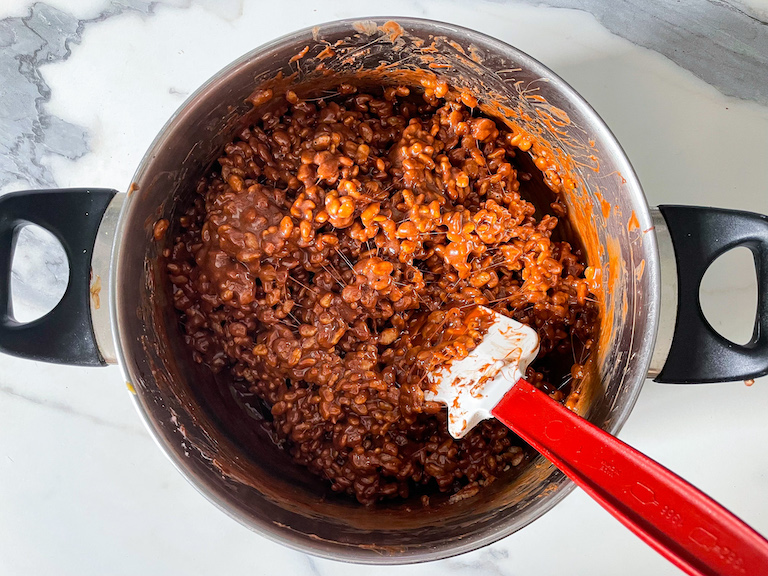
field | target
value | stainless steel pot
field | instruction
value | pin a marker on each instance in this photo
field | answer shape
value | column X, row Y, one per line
column 117, row 307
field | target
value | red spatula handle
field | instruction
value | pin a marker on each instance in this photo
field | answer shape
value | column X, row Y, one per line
column 679, row 521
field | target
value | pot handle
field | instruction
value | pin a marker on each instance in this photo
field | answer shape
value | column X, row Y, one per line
column 65, row 334
column 698, row 353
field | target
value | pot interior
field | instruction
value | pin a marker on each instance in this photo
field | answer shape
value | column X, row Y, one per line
column 233, row 461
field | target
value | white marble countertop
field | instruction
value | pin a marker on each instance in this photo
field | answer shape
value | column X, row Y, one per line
column 84, row 88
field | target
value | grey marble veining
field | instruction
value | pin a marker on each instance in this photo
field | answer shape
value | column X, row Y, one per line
column 28, row 133
column 312, row 565
column 724, row 43
column 487, row 561
column 67, row 409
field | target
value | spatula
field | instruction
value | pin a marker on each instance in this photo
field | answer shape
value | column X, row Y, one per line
column 672, row 516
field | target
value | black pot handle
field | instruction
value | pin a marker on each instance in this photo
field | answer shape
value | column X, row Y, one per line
column 65, row 334
column 698, row 353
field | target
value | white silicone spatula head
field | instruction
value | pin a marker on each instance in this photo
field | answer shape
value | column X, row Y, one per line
column 471, row 387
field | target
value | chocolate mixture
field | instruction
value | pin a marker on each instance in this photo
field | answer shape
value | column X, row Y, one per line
column 333, row 257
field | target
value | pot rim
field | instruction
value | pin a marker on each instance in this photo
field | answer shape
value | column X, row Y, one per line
column 354, row 553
